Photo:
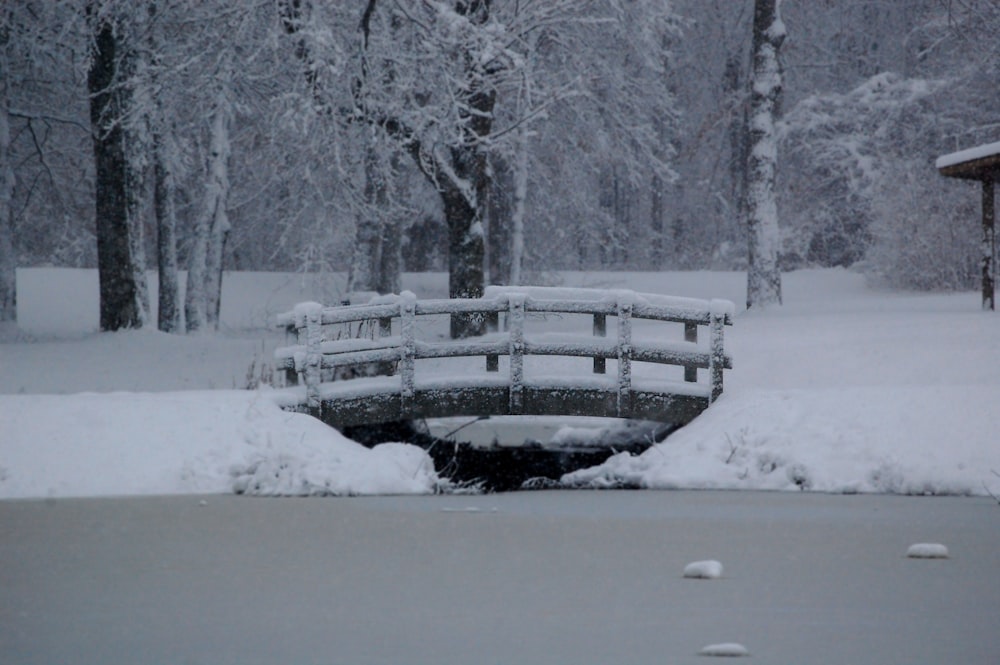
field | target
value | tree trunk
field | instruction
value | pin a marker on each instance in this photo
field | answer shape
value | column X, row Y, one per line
column 764, row 273
column 121, row 290
column 164, row 193
column 500, row 219
column 194, row 292
column 466, row 251
column 656, row 212
column 989, row 245
column 8, row 260
column 521, row 175
column 202, row 301
column 366, row 255
column 391, row 258
column 216, row 208
column 376, row 258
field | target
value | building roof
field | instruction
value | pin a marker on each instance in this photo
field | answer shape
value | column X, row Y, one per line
column 979, row 163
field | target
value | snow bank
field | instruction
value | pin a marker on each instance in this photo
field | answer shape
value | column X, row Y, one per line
column 899, row 440
column 189, row 442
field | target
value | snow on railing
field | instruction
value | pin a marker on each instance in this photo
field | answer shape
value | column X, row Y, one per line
column 306, row 361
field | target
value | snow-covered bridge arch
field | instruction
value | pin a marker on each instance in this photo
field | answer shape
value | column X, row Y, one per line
column 389, row 360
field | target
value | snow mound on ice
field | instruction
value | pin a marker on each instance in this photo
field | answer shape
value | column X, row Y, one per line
column 709, row 569
column 927, row 551
column 725, row 649
column 389, row 468
column 303, row 457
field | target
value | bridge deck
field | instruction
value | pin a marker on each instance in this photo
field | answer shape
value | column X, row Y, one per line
column 528, row 369
column 380, row 399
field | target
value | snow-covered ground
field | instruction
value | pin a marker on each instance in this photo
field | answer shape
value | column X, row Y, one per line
column 843, row 389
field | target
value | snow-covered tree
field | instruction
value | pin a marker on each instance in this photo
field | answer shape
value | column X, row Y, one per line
column 376, row 256
column 598, row 134
column 763, row 270
column 838, row 150
column 859, row 184
column 436, row 100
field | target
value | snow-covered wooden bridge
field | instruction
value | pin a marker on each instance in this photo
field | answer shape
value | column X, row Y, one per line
column 390, row 360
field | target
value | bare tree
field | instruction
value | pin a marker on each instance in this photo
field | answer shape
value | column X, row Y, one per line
column 763, row 272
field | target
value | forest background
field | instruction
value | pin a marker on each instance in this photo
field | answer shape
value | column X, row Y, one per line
column 290, row 135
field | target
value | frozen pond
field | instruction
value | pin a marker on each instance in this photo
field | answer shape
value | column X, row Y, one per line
column 553, row 577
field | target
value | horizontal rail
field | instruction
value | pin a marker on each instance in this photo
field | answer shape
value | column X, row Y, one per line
column 680, row 313
column 336, row 354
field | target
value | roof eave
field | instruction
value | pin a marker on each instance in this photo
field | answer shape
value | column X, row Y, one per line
column 985, row 168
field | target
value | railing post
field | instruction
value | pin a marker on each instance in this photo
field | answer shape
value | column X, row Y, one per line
column 492, row 326
column 691, row 335
column 717, row 358
column 624, row 359
column 516, row 323
column 407, row 313
column 314, row 358
column 600, row 330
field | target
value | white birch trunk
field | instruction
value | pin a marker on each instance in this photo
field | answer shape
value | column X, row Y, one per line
column 520, row 199
column 764, row 273
column 220, row 226
column 204, row 283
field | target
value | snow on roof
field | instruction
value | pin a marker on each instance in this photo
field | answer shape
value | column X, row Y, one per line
column 968, row 155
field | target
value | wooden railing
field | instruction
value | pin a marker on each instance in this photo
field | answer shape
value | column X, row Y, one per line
column 373, row 378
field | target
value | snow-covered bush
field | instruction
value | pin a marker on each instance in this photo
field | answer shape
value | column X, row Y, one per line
column 861, row 188
column 925, row 231
column 839, row 149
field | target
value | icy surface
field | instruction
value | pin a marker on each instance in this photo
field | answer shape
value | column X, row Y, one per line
column 542, row 578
